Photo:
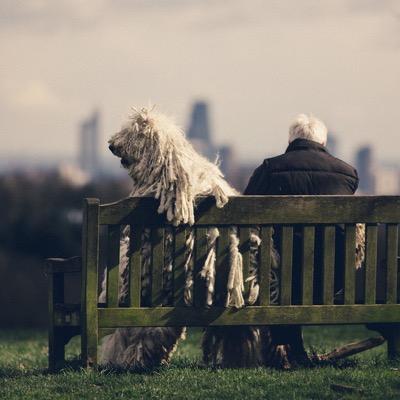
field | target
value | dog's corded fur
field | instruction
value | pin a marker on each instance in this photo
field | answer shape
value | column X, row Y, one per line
column 163, row 164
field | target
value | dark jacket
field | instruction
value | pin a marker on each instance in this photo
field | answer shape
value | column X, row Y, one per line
column 306, row 168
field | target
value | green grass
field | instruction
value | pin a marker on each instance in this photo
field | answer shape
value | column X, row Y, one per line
column 23, row 361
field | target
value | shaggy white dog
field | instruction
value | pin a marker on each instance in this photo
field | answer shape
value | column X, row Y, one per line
column 163, row 164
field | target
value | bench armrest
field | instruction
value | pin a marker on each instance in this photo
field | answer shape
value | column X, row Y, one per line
column 63, row 265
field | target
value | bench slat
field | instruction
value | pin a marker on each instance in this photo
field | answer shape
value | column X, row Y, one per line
column 370, row 263
column 157, row 266
column 200, row 254
column 350, row 264
column 222, row 267
column 251, row 315
column 286, row 265
column 307, row 269
column 135, row 268
column 113, row 238
column 328, row 264
column 244, row 238
column 391, row 261
column 259, row 210
column 265, row 265
column 179, row 266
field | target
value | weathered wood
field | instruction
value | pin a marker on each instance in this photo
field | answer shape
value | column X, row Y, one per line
column 307, row 267
column 265, row 265
column 286, row 265
column 56, row 344
column 135, row 267
column 200, row 254
column 157, row 266
column 90, row 250
column 251, row 315
column 393, row 339
column 391, row 262
column 350, row 264
column 113, row 239
column 263, row 210
column 179, row 266
column 222, row 267
column 244, row 248
column 63, row 265
column 351, row 349
column 328, row 264
column 370, row 263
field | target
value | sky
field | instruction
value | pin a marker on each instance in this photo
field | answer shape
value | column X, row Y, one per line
column 257, row 62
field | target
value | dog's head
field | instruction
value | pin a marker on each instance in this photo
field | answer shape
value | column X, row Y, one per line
column 157, row 156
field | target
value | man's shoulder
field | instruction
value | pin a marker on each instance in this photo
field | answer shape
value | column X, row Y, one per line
column 322, row 161
column 342, row 166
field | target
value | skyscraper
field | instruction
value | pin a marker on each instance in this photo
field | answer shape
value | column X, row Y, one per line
column 364, row 163
column 89, row 145
column 199, row 130
column 332, row 143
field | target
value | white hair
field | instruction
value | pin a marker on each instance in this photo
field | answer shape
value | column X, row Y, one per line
column 308, row 127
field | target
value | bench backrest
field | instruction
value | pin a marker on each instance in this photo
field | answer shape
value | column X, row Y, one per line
column 244, row 212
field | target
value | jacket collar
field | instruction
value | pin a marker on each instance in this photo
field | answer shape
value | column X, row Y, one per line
column 305, row 144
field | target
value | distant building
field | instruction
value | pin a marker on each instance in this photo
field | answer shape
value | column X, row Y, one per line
column 89, row 145
column 199, row 130
column 200, row 135
column 364, row 165
column 332, row 144
column 387, row 180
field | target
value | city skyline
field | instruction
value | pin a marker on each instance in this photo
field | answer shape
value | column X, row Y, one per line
column 258, row 63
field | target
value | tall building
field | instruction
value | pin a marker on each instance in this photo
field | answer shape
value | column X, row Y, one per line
column 364, row 165
column 199, row 130
column 332, row 144
column 89, row 145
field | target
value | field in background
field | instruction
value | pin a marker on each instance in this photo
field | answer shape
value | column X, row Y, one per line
column 23, row 361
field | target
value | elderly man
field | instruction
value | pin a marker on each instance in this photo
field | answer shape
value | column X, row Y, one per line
column 306, row 168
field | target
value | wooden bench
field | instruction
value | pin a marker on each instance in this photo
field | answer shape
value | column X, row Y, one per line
column 92, row 320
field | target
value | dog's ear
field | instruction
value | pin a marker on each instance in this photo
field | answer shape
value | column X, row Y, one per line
column 174, row 189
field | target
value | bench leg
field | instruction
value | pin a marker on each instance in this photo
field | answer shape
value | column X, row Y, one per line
column 391, row 332
column 56, row 348
column 56, row 334
column 393, row 340
column 89, row 350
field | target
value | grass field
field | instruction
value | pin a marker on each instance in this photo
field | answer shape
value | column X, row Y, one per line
column 23, row 375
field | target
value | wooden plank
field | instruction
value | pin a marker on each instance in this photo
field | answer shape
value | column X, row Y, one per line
column 307, row 268
column 251, row 315
column 392, row 232
column 222, row 267
column 200, row 254
column 244, row 248
column 113, row 239
column 350, row 264
column 328, row 264
column 286, row 265
column 179, row 266
column 135, row 267
column 89, row 295
column 370, row 263
column 63, row 265
column 265, row 265
column 264, row 210
column 157, row 266
column 55, row 340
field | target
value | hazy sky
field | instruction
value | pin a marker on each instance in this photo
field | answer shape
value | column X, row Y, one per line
column 259, row 63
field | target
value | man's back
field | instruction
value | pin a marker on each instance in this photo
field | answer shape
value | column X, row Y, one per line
column 305, row 169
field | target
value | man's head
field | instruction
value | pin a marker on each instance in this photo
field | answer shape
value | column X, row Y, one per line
column 308, row 127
